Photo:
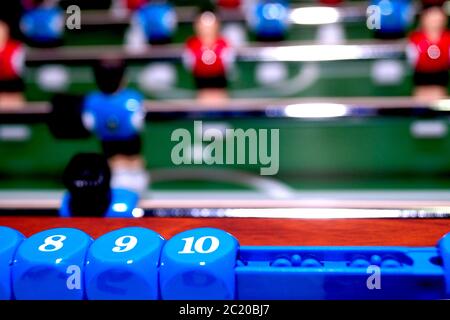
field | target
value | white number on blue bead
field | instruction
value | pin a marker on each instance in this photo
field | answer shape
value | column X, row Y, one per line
column 52, row 243
column 199, row 245
column 125, row 243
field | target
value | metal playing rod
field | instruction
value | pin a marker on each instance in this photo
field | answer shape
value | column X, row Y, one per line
column 280, row 209
column 192, row 105
column 288, row 52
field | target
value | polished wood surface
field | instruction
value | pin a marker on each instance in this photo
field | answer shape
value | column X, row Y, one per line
column 339, row 232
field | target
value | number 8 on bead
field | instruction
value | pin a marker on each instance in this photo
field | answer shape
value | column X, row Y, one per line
column 52, row 243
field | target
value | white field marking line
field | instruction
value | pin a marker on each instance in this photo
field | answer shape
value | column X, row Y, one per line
column 353, row 69
column 268, row 186
column 172, row 92
column 305, row 78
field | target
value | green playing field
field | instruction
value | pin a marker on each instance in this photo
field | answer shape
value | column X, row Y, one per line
column 345, row 153
column 351, row 78
column 342, row 153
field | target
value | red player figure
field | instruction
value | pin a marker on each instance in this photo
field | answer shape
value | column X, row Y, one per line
column 429, row 3
column 208, row 56
column 229, row 4
column 11, row 65
column 429, row 52
column 125, row 7
column 331, row 2
column 133, row 5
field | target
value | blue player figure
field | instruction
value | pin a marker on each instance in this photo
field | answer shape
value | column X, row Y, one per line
column 116, row 115
column 395, row 18
column 43, row 24
column 269, row 19
column 157, row 20
column 87, row 179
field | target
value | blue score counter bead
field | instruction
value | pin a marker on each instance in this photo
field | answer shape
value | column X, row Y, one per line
column 9, row 241
column 444, row 249
column 123, row 265
column 199, row 264
column 50, row 265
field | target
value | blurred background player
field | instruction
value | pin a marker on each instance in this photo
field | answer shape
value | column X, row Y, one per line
column 430, row 3
column 131, row 5
column 331, row 2
column 157, row 20
column 116, row 115
column 269, row 19
column 397, row 16
column 228, row 4
column 209, row 57
column 12, row 56
column 43, row 24
column 429, row 53
column 87, row 179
